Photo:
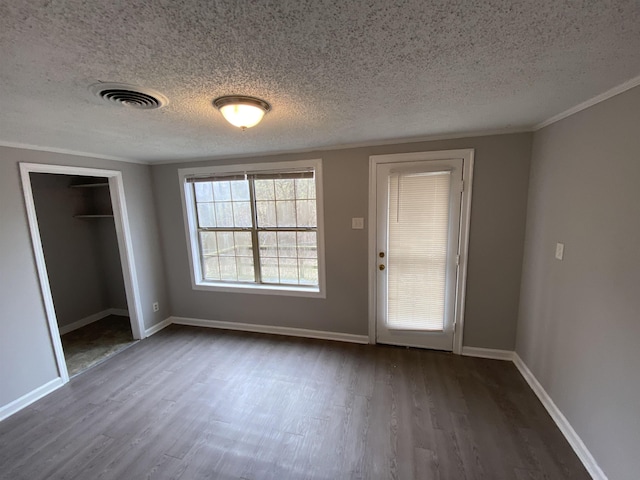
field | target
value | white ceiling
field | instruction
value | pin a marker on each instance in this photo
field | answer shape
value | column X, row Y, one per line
column 336, row 72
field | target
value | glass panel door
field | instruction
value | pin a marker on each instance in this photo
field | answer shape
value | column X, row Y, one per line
column 418, row 208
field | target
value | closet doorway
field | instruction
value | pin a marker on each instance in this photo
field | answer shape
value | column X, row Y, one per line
column 83, row 253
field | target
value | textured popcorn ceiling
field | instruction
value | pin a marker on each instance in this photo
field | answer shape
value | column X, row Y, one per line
column 336, row 72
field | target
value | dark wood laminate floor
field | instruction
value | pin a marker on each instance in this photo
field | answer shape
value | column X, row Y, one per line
column 191, row 403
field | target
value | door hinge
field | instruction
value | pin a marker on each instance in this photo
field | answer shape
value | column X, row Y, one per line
column 458, row 260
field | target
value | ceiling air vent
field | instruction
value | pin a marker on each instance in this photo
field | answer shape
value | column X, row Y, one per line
column 129, row 95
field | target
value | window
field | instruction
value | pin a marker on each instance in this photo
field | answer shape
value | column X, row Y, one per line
column 256, row 227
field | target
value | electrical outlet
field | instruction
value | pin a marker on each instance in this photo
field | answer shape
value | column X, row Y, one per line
column 156, row 306
column 559, row 251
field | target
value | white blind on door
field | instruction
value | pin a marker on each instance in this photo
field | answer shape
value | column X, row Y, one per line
column 418, row 226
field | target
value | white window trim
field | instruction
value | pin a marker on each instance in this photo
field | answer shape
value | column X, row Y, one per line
column 191, row 231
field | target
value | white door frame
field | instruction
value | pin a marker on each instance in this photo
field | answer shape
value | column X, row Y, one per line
column 465, row 218
column 125, row 247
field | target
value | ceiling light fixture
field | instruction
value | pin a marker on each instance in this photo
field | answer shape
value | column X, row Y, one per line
column 240, row 111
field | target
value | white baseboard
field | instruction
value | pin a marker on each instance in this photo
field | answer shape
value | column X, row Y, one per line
column 29, row 398
column 83, row 322
column 556, row 415
column 561, row 421
column 488, row 353
column 292, row 332
column 157, row 327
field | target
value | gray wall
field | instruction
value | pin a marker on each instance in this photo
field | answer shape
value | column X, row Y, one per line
column 82, row 255
column 26, row 353
column 579, row 323
column 495, row 257
column 497, row 232
column 109, row 255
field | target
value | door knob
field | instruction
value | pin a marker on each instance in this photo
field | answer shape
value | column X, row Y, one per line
column 381, row 267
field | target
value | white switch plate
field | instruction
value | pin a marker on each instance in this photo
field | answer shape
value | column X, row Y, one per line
column 357, row 223
column 559, row 250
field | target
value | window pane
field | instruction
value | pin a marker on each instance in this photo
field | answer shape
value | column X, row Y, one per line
column 221, row 191
column 281, row 205
column 268, row 244
column 308, row 271
column 227, row 256
column 211, row 268
column 242, row 214
column 265, row 190
column 226, row 244
column 266, row 214
column 243, row 247
column 306, row 213
column 307, row 245
column 228, row 270
column 240, row 190
column 224, row 214
column 206, row 215
column 286, row 213
column 269, row 270
column 287, row 244
column 245, row 269
column 208, row 243
column 305, row 188
column 204, row 191
column 289, row 271
column 418, row 237
column 285, row 189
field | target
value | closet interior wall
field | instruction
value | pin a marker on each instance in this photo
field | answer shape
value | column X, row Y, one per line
column 80, row 246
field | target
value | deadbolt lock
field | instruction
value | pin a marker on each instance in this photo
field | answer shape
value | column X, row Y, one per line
column 381, row 254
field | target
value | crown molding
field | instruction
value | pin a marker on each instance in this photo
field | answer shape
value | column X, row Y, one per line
column 64, row 151
column 628, row 85
column 347, row 146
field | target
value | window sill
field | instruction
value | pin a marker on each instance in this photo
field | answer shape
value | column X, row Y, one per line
column 283, row 290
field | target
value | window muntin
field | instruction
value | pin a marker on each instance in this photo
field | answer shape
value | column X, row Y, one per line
column 257, row 228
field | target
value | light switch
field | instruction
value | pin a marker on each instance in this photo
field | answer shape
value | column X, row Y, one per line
column 559, row 250
column 357, row 223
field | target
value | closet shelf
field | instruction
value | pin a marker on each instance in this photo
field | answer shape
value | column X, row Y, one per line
column 89, row 185
column 94, row 199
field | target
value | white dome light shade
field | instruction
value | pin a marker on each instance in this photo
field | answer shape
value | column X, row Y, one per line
column 242, row 112
column 242, row 115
